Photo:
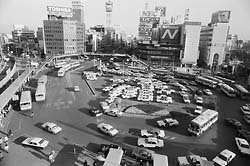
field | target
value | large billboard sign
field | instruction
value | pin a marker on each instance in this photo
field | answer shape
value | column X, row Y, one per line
column 60, row 11
column 162, row 10
column 221, row 17
column 170, row 35
column 145, row 31
column 148, row 13
column 152, row 20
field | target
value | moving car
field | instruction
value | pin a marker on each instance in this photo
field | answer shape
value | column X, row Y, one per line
column 51, row 127
column 224, row 158
column 95, row 112
column 76, row 89
column 143, row 154
column 245, row 110
column 233, row 122
column 107, row 129
column 247, row 118
column 207, row 92
column 168, row 122
column 152, row 133
column 242, row 145
column 150, row 142
column 36, row 142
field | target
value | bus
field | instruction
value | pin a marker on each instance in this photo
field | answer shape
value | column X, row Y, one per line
column 219, row 82
column 203, row 122
column 40, row 92
column 60, row 64
column 61, row 71
column 205, row 81
column 25, row 101
column 228, row 90
column 43, row 79
column 242, row 92
column 225, row 80
column 114, row 157
column 74, row 64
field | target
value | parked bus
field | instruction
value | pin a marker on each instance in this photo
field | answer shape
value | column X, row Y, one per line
column 225, row 80
column 205, row 81
column 40, row 92
column 219, row 82
column 242, row 92
column 60, row 64
column 61, row 71
column 25, row 101
column 228, row 90
column 114, row 157
column 43, row 79
column 203, row 122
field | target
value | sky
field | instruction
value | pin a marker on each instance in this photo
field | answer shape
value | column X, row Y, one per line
column 126, row 13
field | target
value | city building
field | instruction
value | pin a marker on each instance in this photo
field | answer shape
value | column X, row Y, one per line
column 39, row 35
column 213, row 40
column 63, row 34
column 94, row 38
column 23, row 38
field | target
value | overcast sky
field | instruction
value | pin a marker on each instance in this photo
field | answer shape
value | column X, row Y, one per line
column 126, row 12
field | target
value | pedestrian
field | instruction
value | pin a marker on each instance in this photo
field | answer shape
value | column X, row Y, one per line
column 32, row 114
column 10, row 133
column 6, row 147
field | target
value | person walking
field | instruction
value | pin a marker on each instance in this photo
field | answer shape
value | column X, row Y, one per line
column 32, row 114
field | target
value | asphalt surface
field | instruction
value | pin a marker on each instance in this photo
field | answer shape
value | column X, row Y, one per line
column 70, row 111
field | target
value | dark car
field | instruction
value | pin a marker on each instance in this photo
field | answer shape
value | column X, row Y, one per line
column 233, row 122
column 95, row 112
column 142, row 154
column 104, row 148
column 242, row 133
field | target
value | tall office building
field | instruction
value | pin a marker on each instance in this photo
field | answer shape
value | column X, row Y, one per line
column 78, row 10
column 213, row 39
column 64, row 31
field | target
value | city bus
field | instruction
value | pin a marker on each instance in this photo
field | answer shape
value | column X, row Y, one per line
column 114, row 157
column 61, row 71
column 40, row 92
column 43, row 79
column 60, row 64
column 228, row 90
column 219, row 82
column 242, row 92
column 25, row 101
column 206, row 81
column 225, row 80
column 203, row 122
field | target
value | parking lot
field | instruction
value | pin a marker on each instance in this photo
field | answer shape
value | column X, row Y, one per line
column 69, row 110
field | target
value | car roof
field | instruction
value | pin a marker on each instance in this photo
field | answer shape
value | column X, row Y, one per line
column 50, row 124
column 226, row 153
column 242, row 141
column 36, row 139
column 152, row 139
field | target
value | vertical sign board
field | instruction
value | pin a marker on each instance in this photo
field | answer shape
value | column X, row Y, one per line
column 162, row 10
column 145, row 30
column 170, row 34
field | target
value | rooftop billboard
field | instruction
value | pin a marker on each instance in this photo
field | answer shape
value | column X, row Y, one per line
column 170, row 34
column 59, row 11
column 162, row 10
column 221, row 17
column 145, row 31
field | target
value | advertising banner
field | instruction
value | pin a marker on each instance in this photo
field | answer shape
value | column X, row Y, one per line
column 60, row 11
column 170, row 35
column 145, row 29
column 221, row 17
column 149, row 13
column 162, row 10
column 152, row 20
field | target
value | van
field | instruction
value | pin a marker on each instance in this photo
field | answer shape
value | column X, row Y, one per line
column 160, row 160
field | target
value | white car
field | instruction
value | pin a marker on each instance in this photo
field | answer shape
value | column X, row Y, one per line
column 186, row 99
column 198, row 110
column 208, row 92
column 150, row 142
column 245, row 110
column 107, row 129
column 36, row 142
column 51, row 127
column 76, row 89
column 242, row 145
column 168, row 122
column 224, row 158
column 114, row 112
column 152, row 133
column 199, row 100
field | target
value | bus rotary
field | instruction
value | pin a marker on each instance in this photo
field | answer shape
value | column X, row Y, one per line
column 203, row 122
column 205, row 81
column 228, row 90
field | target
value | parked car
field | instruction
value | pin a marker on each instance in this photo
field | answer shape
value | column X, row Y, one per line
column 242, row 145
column 245, row 109
column 242, row 133
column 104, row 105
column 224, row 158
column 143, row 154
column 114, row 112
column 247, row 118
column 186, row 99
column 152, row 133
column 199, row 100
column 107, row 129
column 191, row 160
column 150, row 142
column 168, row 122
column 36, row 142
column 51, row 127
column 233, row 122
column 104, row 148
column 95, row 112
column 207, row 92
column 198, row 110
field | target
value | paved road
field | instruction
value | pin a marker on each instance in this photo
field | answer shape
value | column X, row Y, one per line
column 69, row 110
